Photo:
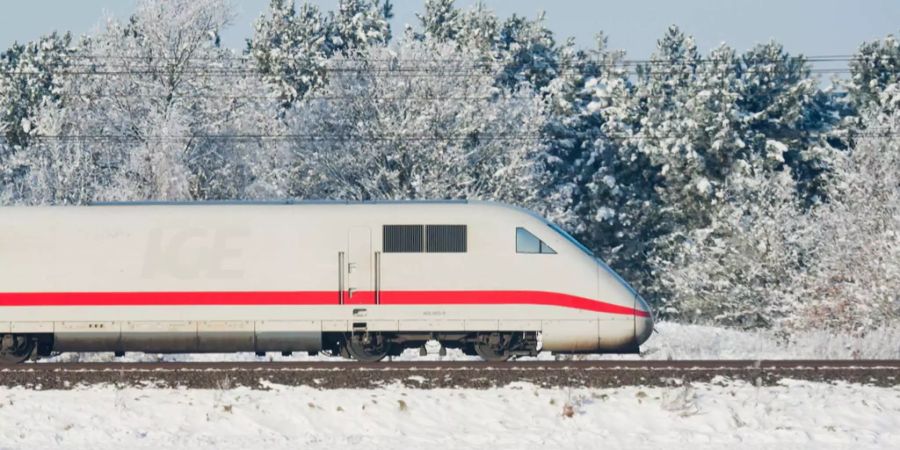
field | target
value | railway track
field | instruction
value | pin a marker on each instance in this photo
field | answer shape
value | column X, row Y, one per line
column 431, row 374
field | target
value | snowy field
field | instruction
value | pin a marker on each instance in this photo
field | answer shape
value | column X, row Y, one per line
column 792, row 415
column 672, row 341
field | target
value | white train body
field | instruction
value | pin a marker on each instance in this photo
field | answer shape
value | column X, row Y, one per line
column 286, row 277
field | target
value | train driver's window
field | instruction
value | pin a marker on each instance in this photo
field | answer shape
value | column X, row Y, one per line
column 529, row 243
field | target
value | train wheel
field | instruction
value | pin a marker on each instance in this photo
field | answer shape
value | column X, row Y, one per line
column 492, row 347
column 15, row 349
column 366, row 347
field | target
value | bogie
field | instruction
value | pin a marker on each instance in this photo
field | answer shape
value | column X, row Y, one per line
column 16, row 348
column 490, row 346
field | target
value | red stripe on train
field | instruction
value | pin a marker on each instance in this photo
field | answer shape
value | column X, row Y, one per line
column 312, row 298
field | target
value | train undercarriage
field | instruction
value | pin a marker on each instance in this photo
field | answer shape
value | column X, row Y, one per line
column 490, row 346
column 366, row 346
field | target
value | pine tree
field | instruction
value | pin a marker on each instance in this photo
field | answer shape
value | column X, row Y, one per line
column 519, row 51
column 28, row 78
column 360, row 24
column 440, row 21
column 476, row 29
column 664, row 86
column 874, row 67
column 528, row 52
column 785, row 113
column 290, row 47
column 569, row 135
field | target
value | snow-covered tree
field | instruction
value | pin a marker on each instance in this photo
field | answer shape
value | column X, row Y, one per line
column 576, row 147
column 158, row 111
column 440, row 21
column 524, row 49
column 747, row 267
column 874, row 67
column 689, row 127
column 27, row 80
column 379, row 134
column 476, row 29
column 529, row 53
column 676, row 134
column 856, row 279
column 360, row 24
column 290, row 47
column 785, row 113
column 569, row 136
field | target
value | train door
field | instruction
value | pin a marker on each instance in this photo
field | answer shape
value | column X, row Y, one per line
column 359, row 267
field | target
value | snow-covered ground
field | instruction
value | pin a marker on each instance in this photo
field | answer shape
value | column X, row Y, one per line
column 672, row 341
column 792, row 415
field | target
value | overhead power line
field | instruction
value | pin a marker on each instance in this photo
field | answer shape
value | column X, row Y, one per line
column 701, row 60
column 415, row 66
column 416, row 137
column 400, row 73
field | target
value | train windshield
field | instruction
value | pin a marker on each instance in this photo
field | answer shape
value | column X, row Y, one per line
column 571, row 239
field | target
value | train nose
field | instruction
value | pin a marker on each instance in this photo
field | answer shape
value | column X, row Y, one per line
column 643, row 320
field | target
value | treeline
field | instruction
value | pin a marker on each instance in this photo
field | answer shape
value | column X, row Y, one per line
column 731, row 187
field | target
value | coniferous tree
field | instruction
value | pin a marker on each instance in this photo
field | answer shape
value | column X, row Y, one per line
column 291, row 47
column 28, row 78
column 874, row 67
column 359, row 24
column 786, row 114
column 519, row 51
column 440, row 21
column 528, row 52
column 575, row 142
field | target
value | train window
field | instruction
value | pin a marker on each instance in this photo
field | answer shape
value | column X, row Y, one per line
column 445, row 238
column 403, row 239
column 529, row 243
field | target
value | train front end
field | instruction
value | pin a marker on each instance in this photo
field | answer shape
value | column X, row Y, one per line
column 625, row 320
column 630, row 310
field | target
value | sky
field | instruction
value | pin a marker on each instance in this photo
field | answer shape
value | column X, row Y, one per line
column 811, row 27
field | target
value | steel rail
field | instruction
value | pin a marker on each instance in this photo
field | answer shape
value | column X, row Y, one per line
column 684, row 365
column 445, row 374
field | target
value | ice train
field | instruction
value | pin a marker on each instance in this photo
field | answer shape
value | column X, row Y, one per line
column 361, row 279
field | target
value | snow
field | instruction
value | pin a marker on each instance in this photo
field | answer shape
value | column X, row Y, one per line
column 703, row 185
column 676, row 341
column 794, row 414
column 604, row 213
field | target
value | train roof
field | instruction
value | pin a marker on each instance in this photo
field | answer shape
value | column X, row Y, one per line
column 286, row 202
column 275, row 202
